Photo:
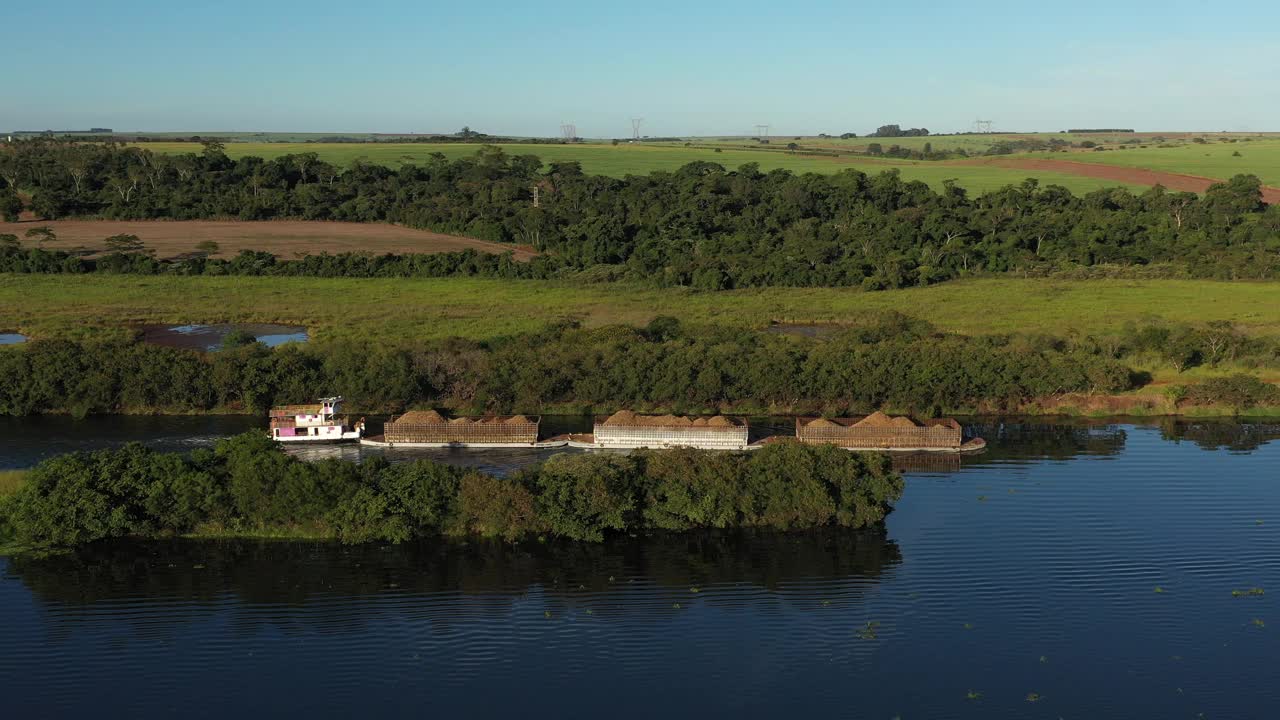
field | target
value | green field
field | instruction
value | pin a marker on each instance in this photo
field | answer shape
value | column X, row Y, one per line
column 1214, row 159
column 624, row 159
column 386, row 309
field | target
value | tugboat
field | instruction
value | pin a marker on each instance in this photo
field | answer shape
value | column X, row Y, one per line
column 318, row 423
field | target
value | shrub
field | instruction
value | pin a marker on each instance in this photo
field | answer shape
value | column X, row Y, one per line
column 1238, row 391
column 493, row 507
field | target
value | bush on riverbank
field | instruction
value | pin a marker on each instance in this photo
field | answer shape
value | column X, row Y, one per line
column 891, row 361
column 1238, row 391
column 246, row 485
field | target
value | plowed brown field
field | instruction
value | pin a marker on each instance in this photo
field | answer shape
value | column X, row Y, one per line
column 284, row 238
column 1136, row 176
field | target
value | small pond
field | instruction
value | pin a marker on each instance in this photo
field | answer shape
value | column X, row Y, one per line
column 12, row 339
column 210, row 337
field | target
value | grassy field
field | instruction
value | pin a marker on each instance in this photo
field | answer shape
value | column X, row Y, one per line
column 375, row 310
column 624, row 159
column 284, row 238
column 1214, row 159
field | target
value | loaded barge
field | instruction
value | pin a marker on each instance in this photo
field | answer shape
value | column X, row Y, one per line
column 430, row 429
column 881, row 432
column 624, row 430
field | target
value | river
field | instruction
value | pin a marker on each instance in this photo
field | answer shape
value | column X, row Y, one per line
column 1076, row 569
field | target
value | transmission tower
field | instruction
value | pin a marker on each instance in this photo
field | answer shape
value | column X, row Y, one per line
column 762, row 131
column 983, row 127
column 569, row 131
column 635, row 128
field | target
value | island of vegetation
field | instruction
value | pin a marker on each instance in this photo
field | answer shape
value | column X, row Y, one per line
column 246, row 486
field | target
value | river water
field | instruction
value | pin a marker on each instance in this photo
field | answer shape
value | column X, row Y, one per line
column 1084, row 569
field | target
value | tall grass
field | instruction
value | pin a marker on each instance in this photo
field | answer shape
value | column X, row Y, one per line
column 11, row 481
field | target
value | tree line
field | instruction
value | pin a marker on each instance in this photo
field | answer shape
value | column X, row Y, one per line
column 247, row 485
column 893, row 362
column 701, row 225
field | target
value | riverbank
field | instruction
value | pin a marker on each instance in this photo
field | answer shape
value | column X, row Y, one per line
column 1142, row 403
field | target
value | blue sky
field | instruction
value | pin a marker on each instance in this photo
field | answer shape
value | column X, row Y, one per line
column 687, row 67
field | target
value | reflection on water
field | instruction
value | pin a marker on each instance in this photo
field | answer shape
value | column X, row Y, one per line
column 1088, row 565
column 1221, row 434
column 294, row 574
column 12, row 339
column 25, row 441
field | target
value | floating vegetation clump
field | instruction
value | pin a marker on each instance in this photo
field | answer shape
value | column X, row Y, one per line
column 1247, row 593
column 868, row 631
column 973, row 695
column 968, row 626
column 1034, row 697
column 1257, row 622
column 1159, row 589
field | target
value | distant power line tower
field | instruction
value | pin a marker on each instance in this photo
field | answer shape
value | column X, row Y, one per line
column 569, row 131
column 635, row 128
column 983, row 126
column 762, row 131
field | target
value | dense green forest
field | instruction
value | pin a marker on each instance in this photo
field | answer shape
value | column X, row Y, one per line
column 247, row 485
column 701, row 225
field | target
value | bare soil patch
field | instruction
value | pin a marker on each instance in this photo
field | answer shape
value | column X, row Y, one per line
column 1117, row 173
column 284, row 238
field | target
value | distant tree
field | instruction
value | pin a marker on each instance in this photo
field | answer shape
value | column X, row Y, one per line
column 615, row 141
column 207, row 247
column 9, row 241
column 41, row 235
column 10, row 206
column 213, row 148
column 237, row 338
column 793, row 146
column 663, row 328
column 124, row 243
column 848, row 136
column 875, row 149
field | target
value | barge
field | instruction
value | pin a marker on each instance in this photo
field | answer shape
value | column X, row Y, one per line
column 881, row 432
column 430, row 429
column 627, row 430
column 317, row 423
